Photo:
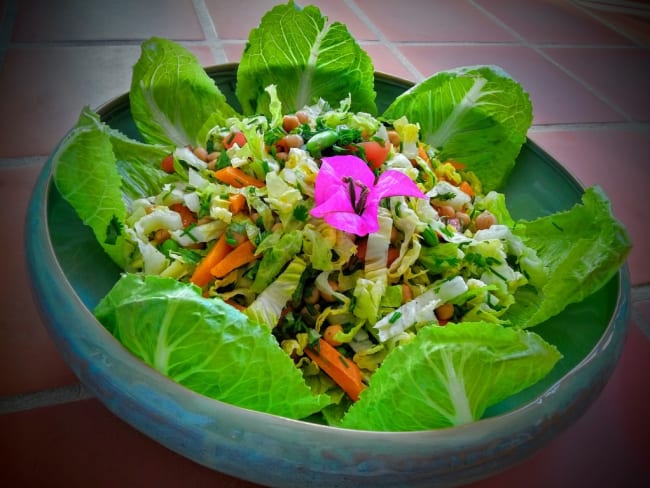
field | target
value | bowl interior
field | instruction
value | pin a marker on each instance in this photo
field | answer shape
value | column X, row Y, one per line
column 538, row 186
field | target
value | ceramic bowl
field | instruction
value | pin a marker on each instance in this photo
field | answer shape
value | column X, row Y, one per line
column 70, row 274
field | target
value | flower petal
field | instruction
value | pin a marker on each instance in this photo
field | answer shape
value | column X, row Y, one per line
column 353, row 166
column 337, row 201
column 353, row 223
column 393, row 183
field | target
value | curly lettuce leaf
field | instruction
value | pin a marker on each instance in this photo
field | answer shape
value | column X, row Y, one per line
column 172, row 96
column 100, row 171
column 205, row 345
column 582, row 249
column 449, row 375
column 476, row 115
column 307, row 59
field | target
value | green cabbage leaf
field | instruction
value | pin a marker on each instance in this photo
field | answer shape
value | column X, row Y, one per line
column 205, row 345
column 172, row 96
column 478, row 116
column 307, row 59
column 449, row 375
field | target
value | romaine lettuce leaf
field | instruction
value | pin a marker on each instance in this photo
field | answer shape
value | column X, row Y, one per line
column 582, row 249
column 100, row 171
column 307, row 59
column 449, row 375
column 172, row 96
column 475, row 115
column 205, row 345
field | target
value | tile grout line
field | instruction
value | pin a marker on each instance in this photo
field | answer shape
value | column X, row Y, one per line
column 44, row 398
column 540, row 52
column 383, row 40
column 210, row 31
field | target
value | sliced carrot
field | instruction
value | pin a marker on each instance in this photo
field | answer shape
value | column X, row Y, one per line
column 342, row 370
column 243, row 254
column 202, row 275
column 187, row 217
column 237, row 178
column 393, row 254
column 467, row 188
column 422, row 153
column 237, row 202
column 458, row 166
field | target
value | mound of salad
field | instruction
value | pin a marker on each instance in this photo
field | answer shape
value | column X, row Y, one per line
column 300, row 254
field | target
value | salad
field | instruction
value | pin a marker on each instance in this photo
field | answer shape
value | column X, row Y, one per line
column 300, row 254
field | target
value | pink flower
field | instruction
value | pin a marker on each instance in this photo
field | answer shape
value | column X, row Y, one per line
column 347, row 196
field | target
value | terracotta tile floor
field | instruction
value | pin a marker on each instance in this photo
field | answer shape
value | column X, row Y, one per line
column 585, row 64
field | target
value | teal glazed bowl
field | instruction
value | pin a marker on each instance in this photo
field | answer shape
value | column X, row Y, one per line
column 70, row 274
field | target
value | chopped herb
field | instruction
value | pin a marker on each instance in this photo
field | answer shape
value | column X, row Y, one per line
column 188, row 231
column 113, row 230
column 300, row 213
column 395, row 317
column 223, row 161
column 450, row 195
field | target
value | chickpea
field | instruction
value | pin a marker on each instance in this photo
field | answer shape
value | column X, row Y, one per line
column 330, row 332
column 311, row 296
column 445, row 311
column 327, row 296
column 303, row 117
column 201, row 153
column 161, row 235
column 293, row 140
column 394, row 138
column 290, row 122
column 485, row 220
column 463, row 218
column 447, row 211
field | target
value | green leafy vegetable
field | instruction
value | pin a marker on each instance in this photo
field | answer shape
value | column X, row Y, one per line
column 478, row 116
column 172, row 96
column 307, row 59
column 205, row 345
column 449, row 375
column 582, row 248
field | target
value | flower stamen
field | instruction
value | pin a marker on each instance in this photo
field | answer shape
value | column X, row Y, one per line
column 358, row 205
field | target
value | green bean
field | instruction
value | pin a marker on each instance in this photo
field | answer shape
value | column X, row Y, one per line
column 320, row 141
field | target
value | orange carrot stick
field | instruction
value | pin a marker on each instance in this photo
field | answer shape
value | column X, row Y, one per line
column 243, row 254
column 237, row 202
column 202, row 275
column 466, row 188
column 237, row 178
column 342, row 370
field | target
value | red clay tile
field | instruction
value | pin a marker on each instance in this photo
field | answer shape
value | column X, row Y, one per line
column 29, row 360
column 441, row 21
column 608, row 446
column 43, row 89
column 635, row 27
column 551, row 21
column 385, row 61
column 556, row 97
column 83, row 444
column 336, row 11
column 234, row 50
column 615, row 160
column 621, row 75
column 43, row 20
